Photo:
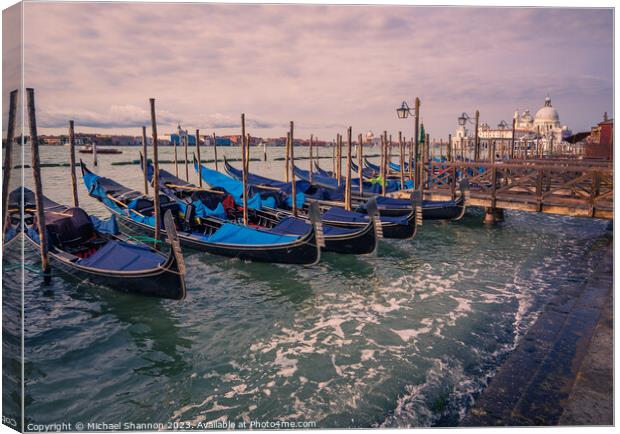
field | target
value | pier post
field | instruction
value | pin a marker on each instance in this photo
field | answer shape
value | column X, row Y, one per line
column 477, row 139
column 198, row 155
column 339, row 160
column 8, row 158
column 186, row 144
column 449, row 148
column 418, row 166
column 512, row 139
column 156, row 207
column 293, row 185
column 94, row 146
column 310, row 157
column 76, row 201
column 146, row 159
column 264, row 151
column 38, row 186
column 245, row 172
column 333, row 157
column 287, row 168
column 410, row 159
column 347, row 192
column 176, row 164
column 428, row 147
column 402, row 160
column 215, row 151
column 247, row 152
column 384, row 163
column 360, row 153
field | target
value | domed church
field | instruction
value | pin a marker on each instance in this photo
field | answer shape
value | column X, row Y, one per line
column 546, row 120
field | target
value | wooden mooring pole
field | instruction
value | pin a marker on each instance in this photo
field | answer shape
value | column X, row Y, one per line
column 8, row 159
column 176, row 163
column 512, row 139
column 477, row 138
column 333, row 157
column 94, row 146
column 215, row 151
column 384, row 163
column 293, row 185
column 245, row 170
column 76, row 201
column 198, row 155
column 310, row 160
column 156, row 207
column 145, row 175
column 347, row 191
column 339, row 160
column 402, row 159
column 186, row 144
column 360, row 153
column 287, row 167
column 418, row 163
column 38, row 186
column 247, row 152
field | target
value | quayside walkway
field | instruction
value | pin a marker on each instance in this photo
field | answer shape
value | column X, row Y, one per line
column 561, row 373
column 571, row 187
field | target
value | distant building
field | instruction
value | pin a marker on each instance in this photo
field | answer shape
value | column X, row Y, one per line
column 543, row 126
column 600, row 144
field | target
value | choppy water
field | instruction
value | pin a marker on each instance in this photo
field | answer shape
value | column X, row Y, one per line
column 404, row 338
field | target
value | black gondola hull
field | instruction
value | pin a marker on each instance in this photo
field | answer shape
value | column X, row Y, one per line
column 162, row 282
column 398, row 231
column 302, row 252
column 359, row 243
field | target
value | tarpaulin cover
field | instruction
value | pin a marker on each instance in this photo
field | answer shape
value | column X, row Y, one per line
column 202, row 210
column 122, row 256
column 330, row 182
column 292, row 225
column 234, row 188
column 342, row 215
column 303, row 188
column 236, row 234
column 105, row 226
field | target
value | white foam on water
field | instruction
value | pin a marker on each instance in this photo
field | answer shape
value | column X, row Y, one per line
column 287, row 366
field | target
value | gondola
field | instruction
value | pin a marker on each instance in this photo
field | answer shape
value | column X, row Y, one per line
column 392, row 207
column 202, row 201
column 93, row 249
column 369, row 189
column 135, row 211
column 397, row 227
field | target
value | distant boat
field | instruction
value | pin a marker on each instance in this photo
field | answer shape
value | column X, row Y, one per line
column 100, row 150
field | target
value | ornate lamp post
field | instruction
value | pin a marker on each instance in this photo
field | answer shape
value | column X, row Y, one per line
column 463, row 119
column 404, row 112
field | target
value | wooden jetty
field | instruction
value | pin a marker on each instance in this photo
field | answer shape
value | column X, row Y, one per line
column 570, row 187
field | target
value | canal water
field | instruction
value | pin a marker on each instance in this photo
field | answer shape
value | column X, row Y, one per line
column 407, row 337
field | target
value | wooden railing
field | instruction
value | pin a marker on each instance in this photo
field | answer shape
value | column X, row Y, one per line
column 568, row 187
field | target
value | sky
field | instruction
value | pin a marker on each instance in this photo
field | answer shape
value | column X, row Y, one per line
column 323, row 67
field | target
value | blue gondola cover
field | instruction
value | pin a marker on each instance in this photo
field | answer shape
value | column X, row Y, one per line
column 236, row 234
column 122, row 256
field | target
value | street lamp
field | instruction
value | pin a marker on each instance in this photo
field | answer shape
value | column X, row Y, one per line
column 404, row 111
column 463, row 119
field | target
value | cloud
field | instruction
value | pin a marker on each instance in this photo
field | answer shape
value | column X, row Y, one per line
column 325, row 67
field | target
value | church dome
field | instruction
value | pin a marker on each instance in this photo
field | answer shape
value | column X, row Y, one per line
column 547, row 114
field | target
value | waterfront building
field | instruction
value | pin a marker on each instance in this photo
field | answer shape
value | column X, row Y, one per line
column 544, row 126
column 600, row 143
